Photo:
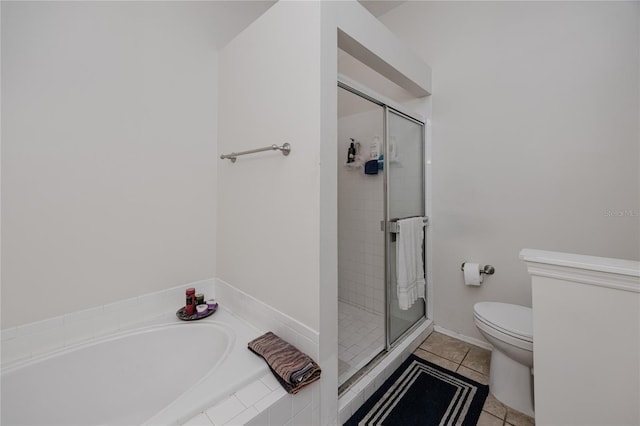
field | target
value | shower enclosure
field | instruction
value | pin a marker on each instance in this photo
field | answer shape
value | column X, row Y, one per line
column 381, row 179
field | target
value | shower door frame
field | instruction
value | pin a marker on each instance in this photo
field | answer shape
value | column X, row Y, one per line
column 387, row 241
column 387, row 105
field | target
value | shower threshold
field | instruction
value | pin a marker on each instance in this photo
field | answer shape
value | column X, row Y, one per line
column 364, row 369
column 411, row 337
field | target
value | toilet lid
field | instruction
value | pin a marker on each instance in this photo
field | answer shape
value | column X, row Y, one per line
column 514, row 319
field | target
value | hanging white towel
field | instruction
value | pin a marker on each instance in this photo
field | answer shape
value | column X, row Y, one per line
column 409, row 261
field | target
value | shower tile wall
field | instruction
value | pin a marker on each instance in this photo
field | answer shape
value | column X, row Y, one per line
column 361, row 243
column 361, row 273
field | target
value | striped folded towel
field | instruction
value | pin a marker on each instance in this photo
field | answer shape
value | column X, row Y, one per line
column 293, row 369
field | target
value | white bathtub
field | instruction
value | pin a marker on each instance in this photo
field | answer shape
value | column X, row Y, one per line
column 160, row 374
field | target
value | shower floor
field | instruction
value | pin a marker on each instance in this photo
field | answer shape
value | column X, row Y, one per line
column 360, row 339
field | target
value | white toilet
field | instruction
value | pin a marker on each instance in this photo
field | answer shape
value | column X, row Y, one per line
column 509, row 328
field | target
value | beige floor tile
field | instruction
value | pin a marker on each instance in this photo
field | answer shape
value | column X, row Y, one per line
column 446, row 347
column 437, row 360
column 487, row 419
column 495, row 407
column 478, row 359
column 473, row 375
column 516, row 418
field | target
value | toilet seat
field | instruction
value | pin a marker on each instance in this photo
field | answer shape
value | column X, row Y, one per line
column 507, row 322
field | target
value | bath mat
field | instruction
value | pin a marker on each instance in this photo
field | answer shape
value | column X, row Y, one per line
column 421, row 393
column 293, row 369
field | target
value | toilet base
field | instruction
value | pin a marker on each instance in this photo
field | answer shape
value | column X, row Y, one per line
column 511, row 383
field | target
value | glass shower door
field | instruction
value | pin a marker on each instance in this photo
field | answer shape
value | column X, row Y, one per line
column 361, row 270
column 405, row 188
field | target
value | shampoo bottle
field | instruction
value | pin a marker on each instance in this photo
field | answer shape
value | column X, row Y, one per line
column 374, row 148
column 351, row 153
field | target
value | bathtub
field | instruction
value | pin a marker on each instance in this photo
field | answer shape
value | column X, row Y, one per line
column 161, row 374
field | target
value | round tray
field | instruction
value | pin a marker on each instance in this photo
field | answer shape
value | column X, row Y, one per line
column 184, row 317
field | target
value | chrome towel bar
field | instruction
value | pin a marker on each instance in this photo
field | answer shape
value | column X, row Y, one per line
column 395, row 229
column 285, row 149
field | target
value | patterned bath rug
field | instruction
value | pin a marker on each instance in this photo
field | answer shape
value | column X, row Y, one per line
column 420, row 393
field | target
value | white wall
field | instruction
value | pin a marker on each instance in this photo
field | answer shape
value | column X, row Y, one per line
column 108, row 152
column 268, row 223
column 535, row 137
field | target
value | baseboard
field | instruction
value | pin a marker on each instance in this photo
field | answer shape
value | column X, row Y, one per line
column 472, row 340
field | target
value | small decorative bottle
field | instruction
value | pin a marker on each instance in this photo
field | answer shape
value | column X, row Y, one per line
column 190, row 306
column 199, row 299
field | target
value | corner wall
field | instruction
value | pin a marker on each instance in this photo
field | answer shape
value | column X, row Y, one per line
column 269, row 212
column 108, row 152
column 277, row 223
column 535, row 138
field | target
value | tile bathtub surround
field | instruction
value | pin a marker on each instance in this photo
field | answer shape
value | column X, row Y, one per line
column 262, row 403
column 266, row 318
column 265, row 402
column 28, row 340
column 472, row 362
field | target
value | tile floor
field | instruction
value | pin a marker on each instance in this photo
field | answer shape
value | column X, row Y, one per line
column 472, row 362
column 360, row 338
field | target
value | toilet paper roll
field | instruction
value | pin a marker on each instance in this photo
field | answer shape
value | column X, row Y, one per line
column 472, row 274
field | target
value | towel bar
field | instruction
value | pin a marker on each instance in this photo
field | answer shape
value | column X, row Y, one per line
column 285, row 148
column 395, row 229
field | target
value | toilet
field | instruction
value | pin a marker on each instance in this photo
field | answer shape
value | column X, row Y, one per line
column 509, row 328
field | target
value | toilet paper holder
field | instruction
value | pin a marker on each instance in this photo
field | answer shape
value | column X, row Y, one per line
column 486, row 269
